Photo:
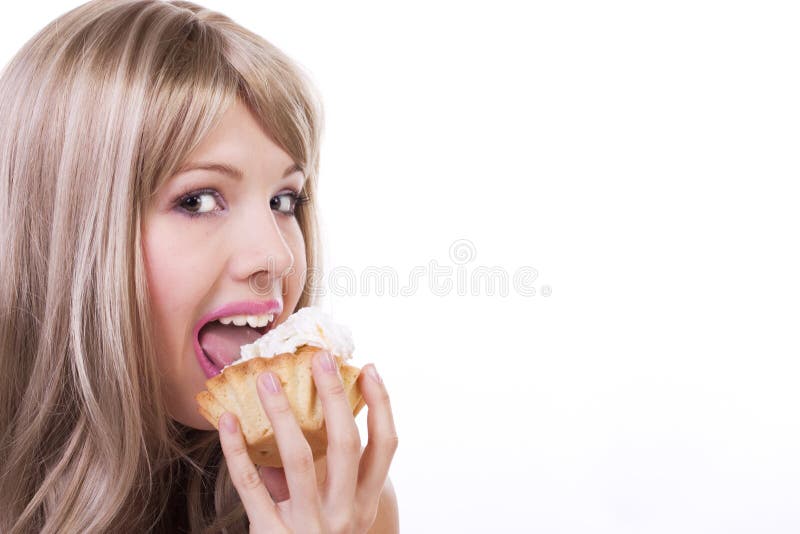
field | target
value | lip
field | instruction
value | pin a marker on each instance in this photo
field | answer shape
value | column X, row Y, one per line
column 245, row 307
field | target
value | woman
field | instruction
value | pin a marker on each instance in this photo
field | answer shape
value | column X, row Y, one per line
column 113, row 247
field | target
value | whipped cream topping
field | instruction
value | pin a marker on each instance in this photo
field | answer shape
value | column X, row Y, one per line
column 307, row 326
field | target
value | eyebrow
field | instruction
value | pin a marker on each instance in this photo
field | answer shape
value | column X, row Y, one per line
column 228, row 170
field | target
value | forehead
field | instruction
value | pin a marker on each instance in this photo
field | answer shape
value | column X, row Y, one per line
column 228, row 169
column 241, row 141
column 237, row 146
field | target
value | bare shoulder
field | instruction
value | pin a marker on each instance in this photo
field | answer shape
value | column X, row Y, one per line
column 387, row 521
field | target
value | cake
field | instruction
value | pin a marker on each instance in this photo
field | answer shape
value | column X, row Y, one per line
column 287, row 351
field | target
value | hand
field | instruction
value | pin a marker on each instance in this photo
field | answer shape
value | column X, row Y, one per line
column 347, row 501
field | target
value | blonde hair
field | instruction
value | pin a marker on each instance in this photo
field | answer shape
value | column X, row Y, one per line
column 97, row 110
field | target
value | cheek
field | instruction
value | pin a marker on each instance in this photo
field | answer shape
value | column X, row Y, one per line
column 162, row 274
column 161, row 278
column 298, row 277
column 174, row 281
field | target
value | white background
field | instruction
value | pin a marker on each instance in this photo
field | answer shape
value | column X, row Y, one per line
column 643, row 158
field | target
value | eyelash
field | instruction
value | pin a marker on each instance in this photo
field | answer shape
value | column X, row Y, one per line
column 298, row 199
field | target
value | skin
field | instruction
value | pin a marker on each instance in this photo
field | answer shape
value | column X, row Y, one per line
column 247, row 229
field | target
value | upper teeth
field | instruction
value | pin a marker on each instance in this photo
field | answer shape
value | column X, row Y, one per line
column 255, row 321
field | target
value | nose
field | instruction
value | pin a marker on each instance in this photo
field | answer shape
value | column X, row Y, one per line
column 261, row 254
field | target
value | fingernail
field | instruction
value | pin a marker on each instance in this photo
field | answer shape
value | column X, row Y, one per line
column 228, row 423
column 373, row 374
column 269, row 382
column 326, row 360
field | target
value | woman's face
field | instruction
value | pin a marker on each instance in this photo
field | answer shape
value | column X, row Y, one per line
column 212, row 239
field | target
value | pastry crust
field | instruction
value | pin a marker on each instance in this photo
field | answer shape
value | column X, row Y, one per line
column 234, row 390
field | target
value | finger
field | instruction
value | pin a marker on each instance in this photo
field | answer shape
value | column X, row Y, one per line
column 257, row 503
column 344, row 443
column 298, row 464
column 382, row 437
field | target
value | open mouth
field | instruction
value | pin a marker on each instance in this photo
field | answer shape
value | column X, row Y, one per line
column 219, row 343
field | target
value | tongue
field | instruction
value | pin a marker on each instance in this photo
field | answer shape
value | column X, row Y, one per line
column 221, row 342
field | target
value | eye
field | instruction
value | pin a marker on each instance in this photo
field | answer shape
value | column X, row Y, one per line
column 287, row 203
column 198, row 203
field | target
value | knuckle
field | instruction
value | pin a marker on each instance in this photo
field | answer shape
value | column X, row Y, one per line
column 237, row 449
column 383, row 397
column 350, row 443
column 282, row 409
column 366, row 518
column 248, row 481
column 300, row 460
column 389, row 442
column 336, row 389
column 342, row 522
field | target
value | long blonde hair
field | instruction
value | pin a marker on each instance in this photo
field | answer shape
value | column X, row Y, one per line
column 97, row 110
